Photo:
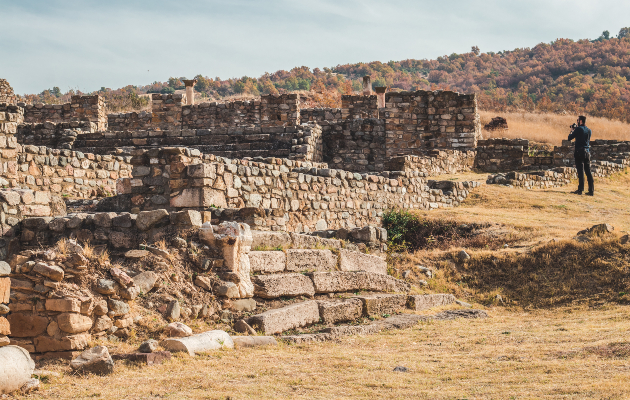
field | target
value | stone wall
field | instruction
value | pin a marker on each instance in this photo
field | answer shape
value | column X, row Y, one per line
column 359, row 106
column 308, row 144
column 302, row 199
column 166, row 111
column 423, row 120
column 436, row 162
column 133, row 121
column 6, row 93
column 321, row 116
column 280, row 110
column 613, row 151
column 10, row 117
column 494, row 155
column 80, row 108
column 215, row 115
column 356, row 145
column 54, row 135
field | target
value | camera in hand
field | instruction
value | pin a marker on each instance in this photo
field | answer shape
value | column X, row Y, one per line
column 573, row 126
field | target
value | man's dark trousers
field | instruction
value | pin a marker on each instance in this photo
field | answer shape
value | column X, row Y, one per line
column 583, row 164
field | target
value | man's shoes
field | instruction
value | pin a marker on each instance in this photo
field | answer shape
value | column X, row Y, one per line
column 579, row 192
column 590, row 194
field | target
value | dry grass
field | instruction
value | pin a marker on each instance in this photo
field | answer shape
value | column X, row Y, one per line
column 524, row 355
column 552, row 128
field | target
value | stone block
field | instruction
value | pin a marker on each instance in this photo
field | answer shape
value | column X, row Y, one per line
column 282, row 285
column 267, row 261
column 379, row 304
column 426, row 301
column 5, row 289
column 75, row 342
column 332, row 312
column 199, row 343
column 352, row 281
column 355, row 261
column 199, row 197
column 286, row 318
column 27, row 325
column 153, row 358
column 52, row 272
column 148, row 219
column 188, row 218
column 254, row 341
column 301, row 241
column 299, row 260
column 74, row 323
column 63, row 305
column 5, row 328
column 270, row 239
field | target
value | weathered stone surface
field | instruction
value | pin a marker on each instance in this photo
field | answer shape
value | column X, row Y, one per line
column 188, row 218
column 199, row 343
column 45, row 344
column 95, row 360
column 5, row 289
column 16, row 368
column 235, row 240
column 130, row 293
column 135, row 255
column 177, row 329
column 355, row 261
column 243, row 305
column 269, row 240
column 267, row 261
column 5, row 269
column 148, row 219
column 282, row 319
column 299, row 260
column 344, row 281
column 63, row 305
column 148, row 358
column 283, row 285
column 426, row 301
column 52, row 272
column 5, row 328
column 203, row 282
column 229, row 290
column 27, row 325
column 148, row 346
column 243, row 327
column 145, row 281
column 380, row 304
column 199, row 197
column 74, row 323
column 301, row 241
column 121, row 277
column 332, row 312
column 106, row 287
column 254, row 341
column 102, row 323
column 173, row 311
column 117, row 308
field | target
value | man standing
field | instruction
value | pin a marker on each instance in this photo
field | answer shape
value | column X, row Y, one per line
column 582, row 136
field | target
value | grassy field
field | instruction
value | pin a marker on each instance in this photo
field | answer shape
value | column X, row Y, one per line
column 568, row 353
column 552, row 128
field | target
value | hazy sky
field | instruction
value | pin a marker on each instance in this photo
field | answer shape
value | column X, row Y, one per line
column 86, row 44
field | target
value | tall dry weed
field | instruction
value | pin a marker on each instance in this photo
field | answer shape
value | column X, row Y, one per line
column 551, row 128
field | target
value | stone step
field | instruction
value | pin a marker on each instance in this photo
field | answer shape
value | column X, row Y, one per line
column 355, row 261
column 426, row 301
column 283, row 319
column 332, row 312
column 352, row 281
column 299, row 260
column 282, row 285
column 382, row 304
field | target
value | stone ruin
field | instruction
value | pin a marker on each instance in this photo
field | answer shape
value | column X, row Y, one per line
column 214, row 210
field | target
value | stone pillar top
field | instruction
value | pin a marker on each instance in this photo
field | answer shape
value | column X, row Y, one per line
column 367, row 85
column 190, row 82
column 380, row 89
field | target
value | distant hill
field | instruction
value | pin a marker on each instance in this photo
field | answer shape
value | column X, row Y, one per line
column 584, row 76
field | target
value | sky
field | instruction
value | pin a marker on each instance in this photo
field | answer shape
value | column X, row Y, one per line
column 89, row 44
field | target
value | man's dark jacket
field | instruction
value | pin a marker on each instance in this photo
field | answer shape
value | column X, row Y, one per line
column 582, row 136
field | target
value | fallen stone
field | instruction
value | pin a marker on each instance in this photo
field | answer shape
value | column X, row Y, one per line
column 229, row 290
column 5, row 269
column 382, row 304
column 401, row 369
column 95, row 360
column 254, row 341
column 136, row 254
column 267, row 261
column 106, row 287
column 203, row 282
column 148, row 346
column 130, row 293
column 180, row 243
column 74, row 323
column 173, row 311
column 243, row 327
column 332, row 312
column 148, row 219
column 154, row 358
column 352, row 281
column 282, row 319
column 463, row 256
column 424, row 302
column 601, row 229
column 282, row 285
column 73, row 247
column 241, row 305
column 52, row 272
column 16, row 368
column 463, row 303
column 355, row 261
column 199, row 343
column 177, row 329
column 307, row 260
column 186, row 218
column 117, row 308
column 120, row 276
column 624, row 239
column 145, row 281
column 30, row 386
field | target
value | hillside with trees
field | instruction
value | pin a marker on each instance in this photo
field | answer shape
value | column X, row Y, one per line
column 583, row 76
